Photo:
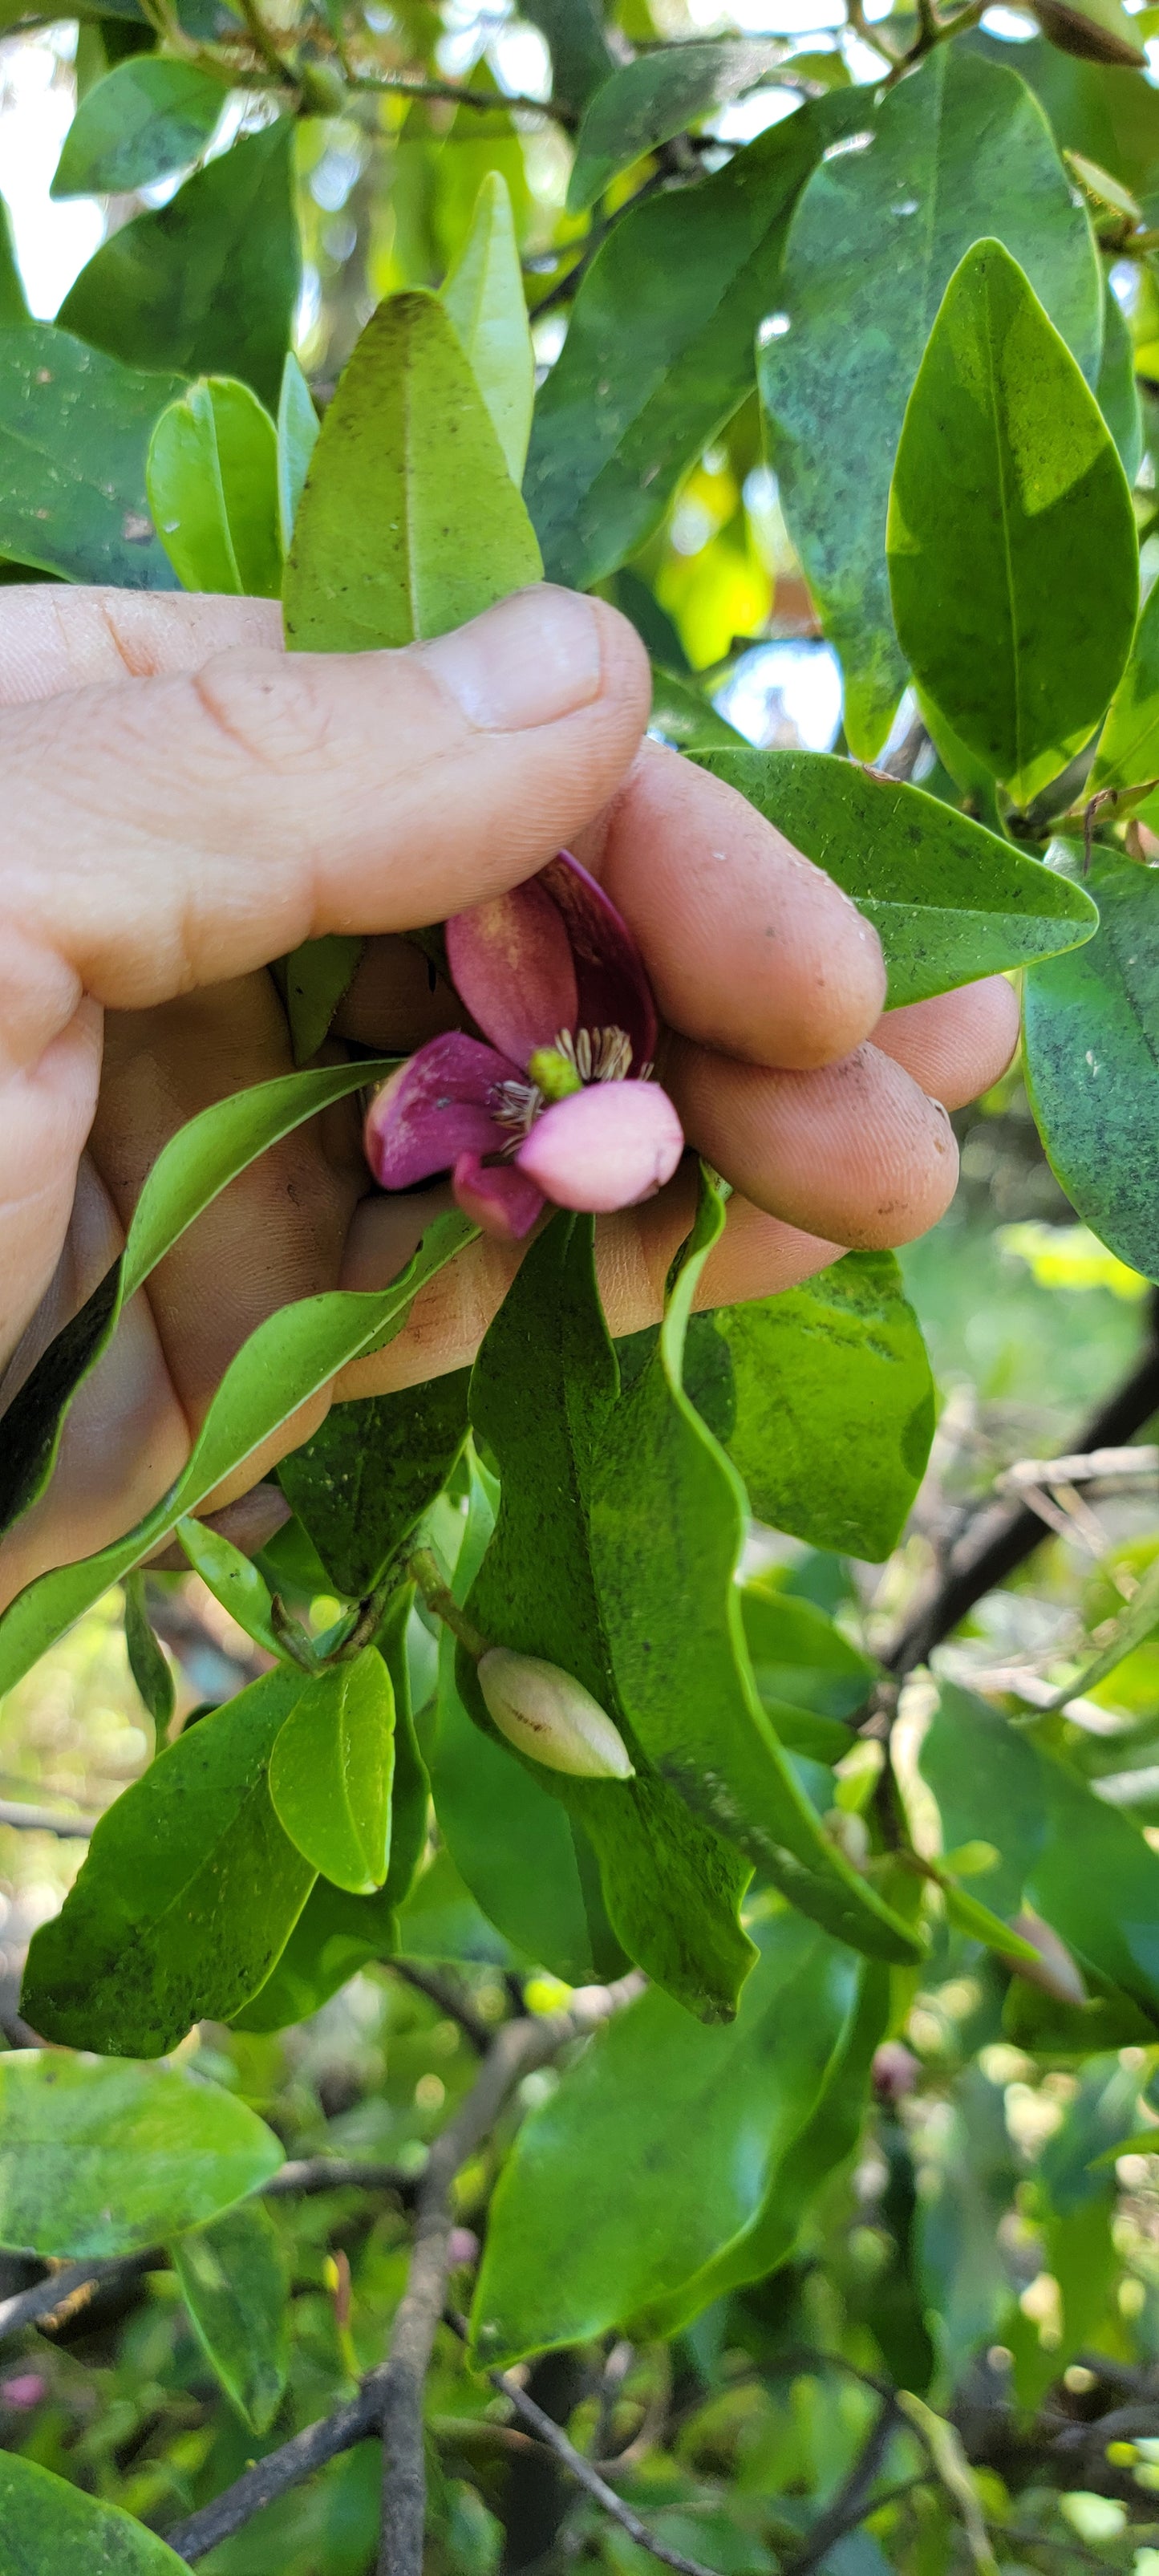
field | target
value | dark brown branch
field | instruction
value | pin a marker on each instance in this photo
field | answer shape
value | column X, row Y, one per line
column 71, row 2281
column 450, row 1999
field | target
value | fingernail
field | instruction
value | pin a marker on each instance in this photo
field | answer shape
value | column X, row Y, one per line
column 527, row 662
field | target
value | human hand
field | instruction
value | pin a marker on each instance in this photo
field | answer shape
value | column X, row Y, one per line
column 184, row 804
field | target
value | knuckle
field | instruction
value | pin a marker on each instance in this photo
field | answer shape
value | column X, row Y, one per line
column 276, row 715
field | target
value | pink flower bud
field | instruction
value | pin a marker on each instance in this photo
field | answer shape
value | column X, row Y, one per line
column 543, row 1712
column 608, row 1147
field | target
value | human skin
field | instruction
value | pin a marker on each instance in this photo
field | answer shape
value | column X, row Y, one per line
column 183, row 803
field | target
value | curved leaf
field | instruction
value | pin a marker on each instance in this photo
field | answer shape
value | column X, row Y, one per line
column 484, row 296
column 645, row 102
column 212, row 482
column 331, row 1771
column 148, row 116
column 74, row 433
column 1091, row 1066
column 235, row 2284
column 48, row 2522
column 99, row 2160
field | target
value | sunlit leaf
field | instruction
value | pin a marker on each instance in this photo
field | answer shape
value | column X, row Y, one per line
column 104, row 2159
column 331, row 1771
column 1090, row 1023
column 149, row 116
column 212, row 483
column 644, row 102
column 484, row 296
column 235, row 2284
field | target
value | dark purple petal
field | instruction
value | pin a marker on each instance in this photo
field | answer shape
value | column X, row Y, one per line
column 614, row 992
column 433, row 1109
column 496, row 1196
column 607, row 1147
column 511, row 964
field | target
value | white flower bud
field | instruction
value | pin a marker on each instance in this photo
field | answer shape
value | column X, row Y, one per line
column 543, row 1712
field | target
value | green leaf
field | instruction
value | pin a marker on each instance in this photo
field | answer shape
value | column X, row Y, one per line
column 209, row 282
column 1116, row 389
column 1137, row 1621
column 48, row 2522
column 1091, row 1071
column 188, row 1895
column 670, row 1612
column 364, row 1479
column 318, row 976
column 149, row 116
column 14, row 311
column 331, row 1772
column 232, row 1578
column 212, row 482
column 948, row 899
column 694, row 2125
column 197, row 1163
column 799, row 1655
column 74, row 431
column 409, row 523
column 645, row 102
column 297, row 439
column 481, row 144
column 958, row 149
column 148, row 1664
column 100, row 2160
column 659, row 351
column 580, row 54
column 1013, row 558
column 1092, row 110
column 235, row 2284
column 685, row 716
column 969, row 1915
column 1128, row 752
column 483, row 295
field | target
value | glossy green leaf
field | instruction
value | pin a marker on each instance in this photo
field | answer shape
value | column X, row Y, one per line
column 682, row 713
column 1013, row 558
column 409, row 522
column 645, row 102
column 1116, row 389
column 297, row 440
column 484, row 297
column 1091, row 1070
column 800, row 1656
column 364, row 1479
column 317, row 977
column 149, row 1666
column 209, row 282
column 74, row 432
column 651, row 369
column 968, row 1914
column 211, row 477
column 948, row 899
column 670, row 1611
column 580, row 54
column 958, row 149
column 49, row 2522
column 235, row 2284
column 99, row 2160
column 232, row 1578
column 149, row 116
column 1091, row 108
column 331, row 1771
column 198, row 1162
column 1128, row 752
column 188, row 1895
column 14, row 311
column 693, row 2124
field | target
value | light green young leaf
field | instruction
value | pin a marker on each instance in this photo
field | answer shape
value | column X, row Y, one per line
column 484, row 296
column 100, row 2159
column 297, row 440
column 331, row 1772
column 289, row 1357
column 232, row 1578
column 198, row 1162
column 74, row 433
column 148, row 116
column 1013, row 557
column 948, row 899
column 643, row 103
column 958, row 149
column 49, row 2522
column 148, row 1664
column 1091, row 1071
column 188, row 1895
column 969, row 1915
column 1116, row 389
column 235, row 2284
column 1138, row 1620
column 211, row 477
column 318, row 975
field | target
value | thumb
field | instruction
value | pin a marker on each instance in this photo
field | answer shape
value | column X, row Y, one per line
column 172, row 832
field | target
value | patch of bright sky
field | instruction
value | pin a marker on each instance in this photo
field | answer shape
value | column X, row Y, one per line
column 37, row 98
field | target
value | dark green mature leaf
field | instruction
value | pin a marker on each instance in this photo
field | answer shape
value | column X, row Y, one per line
column 74, row 433
column 580, row 54
column 409, row 522
column 834, row 1405
column 1091, row 1070
column 542, row 1396
column 212, row 478
column 98, row 2160
column 1116, row 389
column 1128, row 752
column 235, row 2284
column 149, row 116
column 48, row 2522
column 958, row 149
column 148, row 1664
column 645, row 102
column 197, row 1163
column 364, row 1480
column 1013, row 556
column 948, row 899
column 187, row 1897
column 1092, row 109
column 331, row 1772
column 670, row 1611
column 208, row 283
column 694, row 2124
column 685, row 716
column 660, row 347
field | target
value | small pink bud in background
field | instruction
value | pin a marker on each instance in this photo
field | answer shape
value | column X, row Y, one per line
column 606, row 1147
column 895, row 2071
column 24, row 2391
column 543, row 1712
column 462, row 2246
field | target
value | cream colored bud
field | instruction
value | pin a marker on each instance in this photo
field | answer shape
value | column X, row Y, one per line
column 1054, row 1970
column 543, row 1712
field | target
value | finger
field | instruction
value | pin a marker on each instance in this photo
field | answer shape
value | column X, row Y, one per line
column 53, row 637
column 750, row 947
column 957, row 1045
column 169, row 833
column 855, row 1152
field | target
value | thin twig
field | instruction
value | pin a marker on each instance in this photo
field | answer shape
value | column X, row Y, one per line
column 47, row 1820
column 69, row 2283
column 853, row 2499
column 512, row 102
column 449, row 1998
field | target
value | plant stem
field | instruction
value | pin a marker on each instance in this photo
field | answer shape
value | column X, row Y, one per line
column 438, row 1596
